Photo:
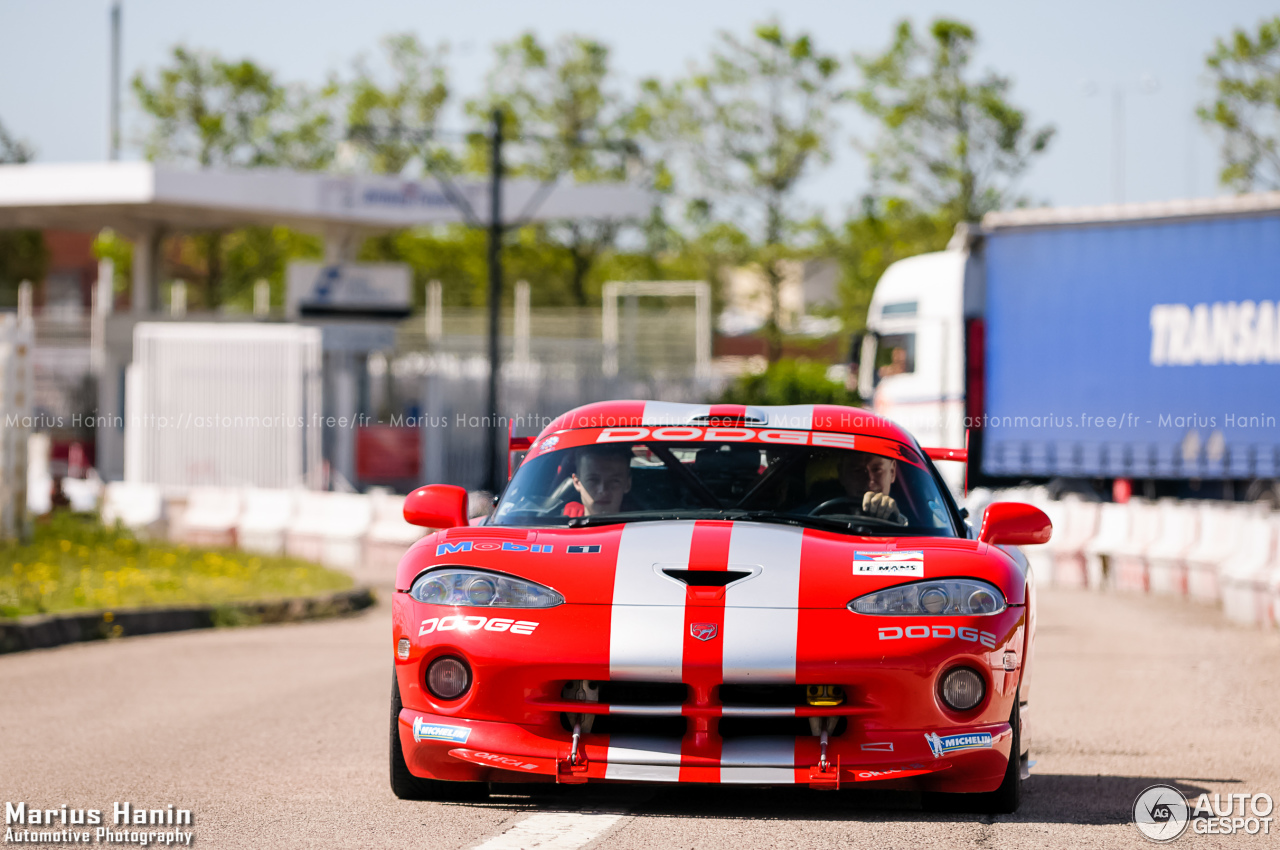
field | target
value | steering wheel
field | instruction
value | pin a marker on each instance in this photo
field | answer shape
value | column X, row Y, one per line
column 854, row 507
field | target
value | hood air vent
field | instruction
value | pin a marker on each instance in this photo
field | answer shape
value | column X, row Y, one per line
column 707, row 578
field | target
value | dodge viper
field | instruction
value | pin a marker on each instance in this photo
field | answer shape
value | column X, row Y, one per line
column 670, row 593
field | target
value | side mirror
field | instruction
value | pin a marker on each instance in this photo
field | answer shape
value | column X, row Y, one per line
column 1014, row 524
column 436, row 506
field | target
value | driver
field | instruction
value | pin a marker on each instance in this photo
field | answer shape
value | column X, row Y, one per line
column 865, row 479
column 602, row 478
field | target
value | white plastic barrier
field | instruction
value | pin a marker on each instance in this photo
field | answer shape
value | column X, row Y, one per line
column 83, row 494
column 304, row 538
column 1041, row 557
column 330, row 528
column 1167, row 557
column 265, row 519
column 1244, row 578
column 1066, row 546
column 1113, row 530
column 1273, row 584
column 138, row 507
column 1129, row 560
column 210, row 518
column 389, row 536
column 39, row 478
column 1221, row 526
column 350, row 515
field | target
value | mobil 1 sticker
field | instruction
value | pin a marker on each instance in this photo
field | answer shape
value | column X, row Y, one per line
column 888, row 564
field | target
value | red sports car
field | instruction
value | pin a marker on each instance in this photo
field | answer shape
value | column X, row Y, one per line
column 716, row 594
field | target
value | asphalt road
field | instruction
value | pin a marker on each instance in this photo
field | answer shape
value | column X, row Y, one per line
column 277, row 737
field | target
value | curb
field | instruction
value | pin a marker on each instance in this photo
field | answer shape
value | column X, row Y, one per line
column 42, row 631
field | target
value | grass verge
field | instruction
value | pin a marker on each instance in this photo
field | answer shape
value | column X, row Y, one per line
column 74, row 563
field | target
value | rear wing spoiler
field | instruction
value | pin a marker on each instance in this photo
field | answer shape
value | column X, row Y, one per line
column 957, row 455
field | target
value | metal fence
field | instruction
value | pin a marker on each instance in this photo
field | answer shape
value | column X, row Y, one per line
column 440, row 381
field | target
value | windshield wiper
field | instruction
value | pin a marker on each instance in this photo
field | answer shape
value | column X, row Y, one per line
column 868, row 529
column 647, row 516
column 826, row 523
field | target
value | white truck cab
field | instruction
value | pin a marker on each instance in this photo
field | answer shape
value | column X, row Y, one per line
column 912, row 361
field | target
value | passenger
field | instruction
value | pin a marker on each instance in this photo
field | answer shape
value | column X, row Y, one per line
column 602, row 478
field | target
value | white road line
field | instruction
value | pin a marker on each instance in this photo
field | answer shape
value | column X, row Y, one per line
column 553, row 831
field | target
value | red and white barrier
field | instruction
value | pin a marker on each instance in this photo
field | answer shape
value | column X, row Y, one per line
column 210, row 518
column 1167, row 557
column 1128, row 561
column 1211, row 552
column 1244, row 579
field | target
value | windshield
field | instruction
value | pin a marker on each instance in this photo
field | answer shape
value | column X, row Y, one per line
column 599, row 476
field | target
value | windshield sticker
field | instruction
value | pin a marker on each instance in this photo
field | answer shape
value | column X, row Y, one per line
column 909, row 564
column 492, row 546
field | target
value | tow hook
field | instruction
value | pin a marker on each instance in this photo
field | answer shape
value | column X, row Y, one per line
column 573, row 770
column 825, row 775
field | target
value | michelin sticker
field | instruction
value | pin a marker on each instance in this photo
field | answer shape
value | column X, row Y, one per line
column 954, row 743
column 888, row 564
column 424, row 731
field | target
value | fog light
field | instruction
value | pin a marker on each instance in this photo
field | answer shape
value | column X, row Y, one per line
column 824, row 694
column 402, row 648
column 448, row 678
column 962, row 689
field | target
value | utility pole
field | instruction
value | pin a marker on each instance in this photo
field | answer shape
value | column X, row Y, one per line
column 115, row 81
column 494, row 477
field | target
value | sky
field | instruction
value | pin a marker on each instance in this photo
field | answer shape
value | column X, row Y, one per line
column 1068, row 61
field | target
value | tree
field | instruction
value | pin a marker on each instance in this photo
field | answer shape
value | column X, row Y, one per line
column 747, row 129
column 565, row 121
column 393, row 127
column 1245, row 70
column 884, row 231
column 214, row 113
column 947, row 140
column 23, row 254
column 210, row 112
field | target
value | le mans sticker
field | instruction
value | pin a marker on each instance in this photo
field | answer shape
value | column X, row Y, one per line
column 888, row 564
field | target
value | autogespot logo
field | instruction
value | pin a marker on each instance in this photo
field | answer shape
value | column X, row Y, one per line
column 1161, row 813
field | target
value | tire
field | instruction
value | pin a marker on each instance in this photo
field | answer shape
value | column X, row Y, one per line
column 1002, row 801
column 405, row 785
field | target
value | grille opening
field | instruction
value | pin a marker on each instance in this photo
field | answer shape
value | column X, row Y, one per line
column 759, row 727
column 707, row 578
column 644, row 693
column 622, row 724
column 762, row 695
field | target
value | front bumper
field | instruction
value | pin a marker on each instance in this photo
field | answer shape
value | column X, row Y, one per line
column 507, row 752
column 515, row 722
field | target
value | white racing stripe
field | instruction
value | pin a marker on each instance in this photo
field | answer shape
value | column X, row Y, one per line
column 659, row 413
column 796, row 417
column 766, row 760
column 760, row 615
column 553, row 831
column 646, row 635
column 638, row 758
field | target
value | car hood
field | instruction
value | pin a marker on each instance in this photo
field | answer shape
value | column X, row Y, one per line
column 737, row 564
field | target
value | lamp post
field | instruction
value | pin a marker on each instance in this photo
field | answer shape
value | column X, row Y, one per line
column 1147, row 84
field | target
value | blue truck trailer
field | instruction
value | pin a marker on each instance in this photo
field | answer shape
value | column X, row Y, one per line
column 1137, row 343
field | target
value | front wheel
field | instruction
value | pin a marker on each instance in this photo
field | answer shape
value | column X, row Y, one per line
column 405, row 785
column 1002, row 801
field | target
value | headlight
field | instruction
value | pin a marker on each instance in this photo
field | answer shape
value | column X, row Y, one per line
column 964, row 596
column 480, row 589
